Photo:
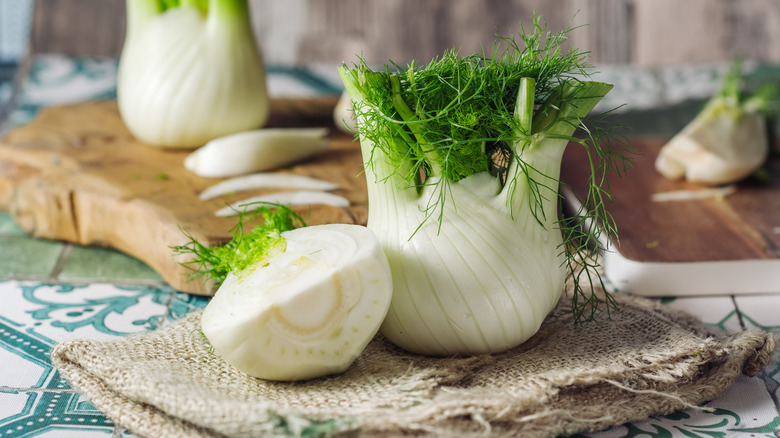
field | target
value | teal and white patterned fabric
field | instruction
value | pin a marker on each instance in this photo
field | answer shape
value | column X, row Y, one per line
column 34, row 400
column 45, row 298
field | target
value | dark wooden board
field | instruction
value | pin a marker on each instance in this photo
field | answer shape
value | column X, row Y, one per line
column 743, row 226
column 76, row 174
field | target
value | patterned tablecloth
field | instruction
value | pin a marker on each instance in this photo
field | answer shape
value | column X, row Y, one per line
column 52, row 291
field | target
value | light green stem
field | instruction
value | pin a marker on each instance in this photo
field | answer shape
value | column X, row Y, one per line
column 533, row 177
column 192, row 4
column 139, row 12
column 568, row 105
column 524, row 105
column 379, row 168
column 230, row 14
column 431, row 155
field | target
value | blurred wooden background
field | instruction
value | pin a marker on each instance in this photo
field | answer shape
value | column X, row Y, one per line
column 295, row 32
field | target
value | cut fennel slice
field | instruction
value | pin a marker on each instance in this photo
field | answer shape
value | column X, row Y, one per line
column 306, row 312
column 269, row 180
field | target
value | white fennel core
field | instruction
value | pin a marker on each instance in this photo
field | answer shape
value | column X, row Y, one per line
column 308, row 311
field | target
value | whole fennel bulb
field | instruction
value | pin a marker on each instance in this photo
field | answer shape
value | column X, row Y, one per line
column 190, row 72
column 476, row 248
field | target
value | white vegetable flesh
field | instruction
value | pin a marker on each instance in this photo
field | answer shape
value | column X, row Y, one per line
column 481, row 273
column 723, row 144
column 186, row 77
column 693, row 195
column 255, row 151
column 259, row 181
column 306, row 312
column 466, row 287
column 344, row 115
column 299, row 197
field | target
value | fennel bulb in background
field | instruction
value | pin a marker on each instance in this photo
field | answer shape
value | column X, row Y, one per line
column 727, row 141
column 190, row 72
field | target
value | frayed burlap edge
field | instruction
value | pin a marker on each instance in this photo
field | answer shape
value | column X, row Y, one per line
column 167, row 383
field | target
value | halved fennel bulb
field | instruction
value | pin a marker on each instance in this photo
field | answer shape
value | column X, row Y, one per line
column 306, row 312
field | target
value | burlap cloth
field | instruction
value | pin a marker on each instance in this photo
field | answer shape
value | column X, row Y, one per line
column 646, row 360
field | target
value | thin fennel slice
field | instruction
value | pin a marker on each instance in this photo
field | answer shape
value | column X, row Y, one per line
column 271, row 180
column 693, row 195
column 305, row 312
column 255, row 151
column 299, row 197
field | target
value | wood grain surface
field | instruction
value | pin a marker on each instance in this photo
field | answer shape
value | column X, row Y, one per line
column 742, row 226
column 76, row 174
column 299, row 32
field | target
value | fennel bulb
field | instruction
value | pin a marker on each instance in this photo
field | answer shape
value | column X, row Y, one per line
column 343, row 116
column 726, row 141
column 294, row 302
column 189, row 73
column 306, row 312
column 476, row 248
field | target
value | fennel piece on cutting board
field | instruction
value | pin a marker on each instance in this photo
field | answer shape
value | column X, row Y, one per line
column 714, row 245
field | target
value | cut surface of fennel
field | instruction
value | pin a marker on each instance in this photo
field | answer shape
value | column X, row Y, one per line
column 269, row 180
column 187, row 76
column 306, row 312
column 288, row 198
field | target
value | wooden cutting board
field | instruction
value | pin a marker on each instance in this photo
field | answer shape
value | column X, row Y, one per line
column 76, row 174
column 720, row 245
